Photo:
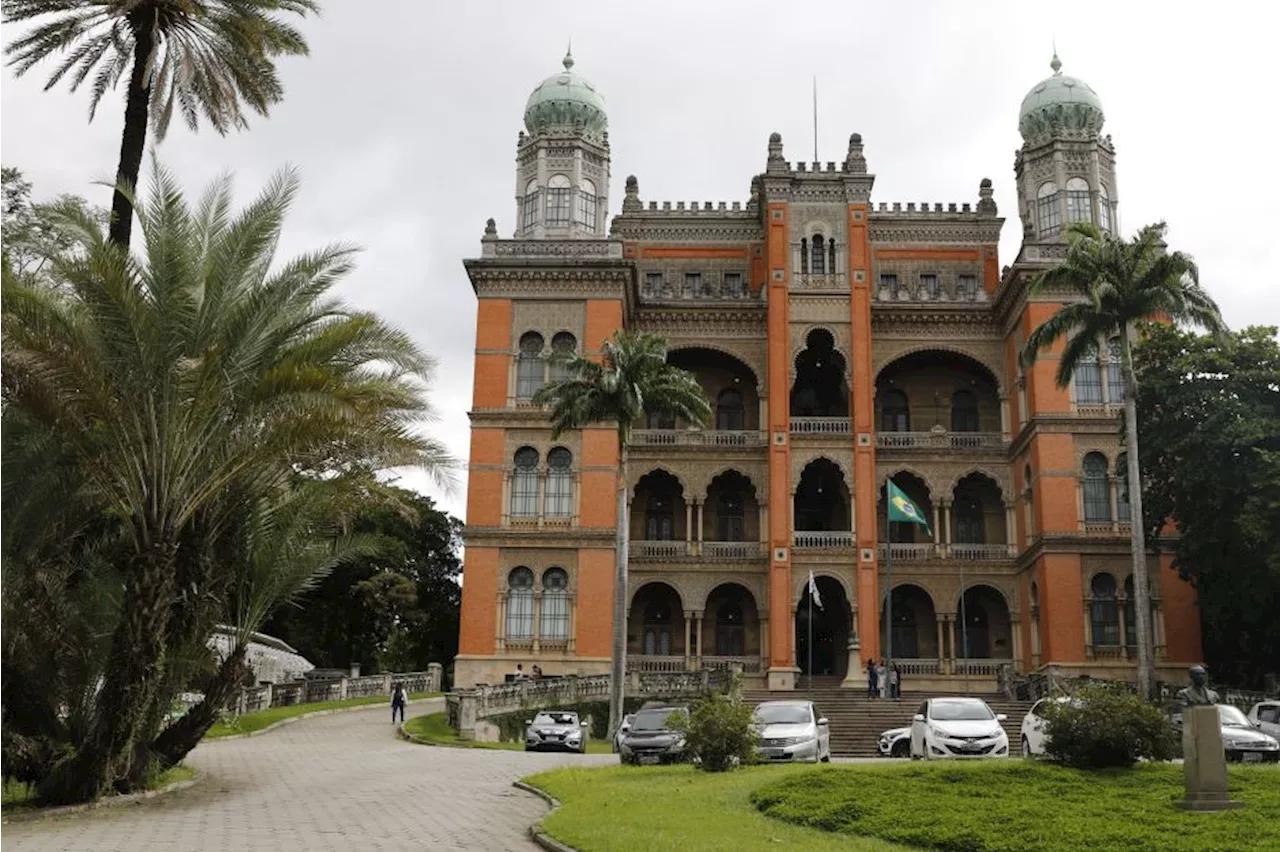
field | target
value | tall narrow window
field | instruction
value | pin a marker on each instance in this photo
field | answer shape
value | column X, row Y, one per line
column 563, row 345
column 733, row 285
column 587, row 205
column 819, row 262
column 831, row 256
column 524, row 484
column 520, row 604
column 1115, row 373
column 660, row 520
column 969, row 523
column 530, row 217
column 1104, row 611
column 559, row 498
column 894, row 413
column 730, row 633
column 1122, row 489
column 530, row 368
column 559, row 201
column 1130, row 615
column 966, row 287
column 693, row 285
column 653, row 283
column 555, row 605
column 929, row 287
column 729, row 520
column 657, row 629
column 1097, row 491
column 1079, row 207
column 1088, row 380
column 964, row 412
column 804, row 255
column 1048, row 214
column 1104, row 209
column 729, row 411
column 889, row 286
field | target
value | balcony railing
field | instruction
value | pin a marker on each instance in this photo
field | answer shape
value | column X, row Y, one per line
column 909, row 552
column 732, row 549
column 939, row 440
column 980, row 668
column 980, row 552
column 819, row 281
column 695, row 438
column 820, row 425
column 1108, row 652
column 823, row 540
column 923, row 666
column 750, row 665
column 656, row 663
column 658, row 549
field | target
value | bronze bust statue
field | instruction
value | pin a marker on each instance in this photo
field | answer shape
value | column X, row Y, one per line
column 1198, row 692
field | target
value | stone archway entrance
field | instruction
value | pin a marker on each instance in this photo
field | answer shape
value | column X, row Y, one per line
column 831, row 625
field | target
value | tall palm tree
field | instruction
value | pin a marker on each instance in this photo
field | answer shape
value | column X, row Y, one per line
column 1120, row 283
column 210, row 57
column 631, row 379
column 197, row 370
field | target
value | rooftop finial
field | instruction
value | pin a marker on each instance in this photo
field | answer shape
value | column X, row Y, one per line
column 568, row 56
column 1056, row 63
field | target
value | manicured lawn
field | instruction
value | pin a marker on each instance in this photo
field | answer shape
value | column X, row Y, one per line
column 434, row 728
column 678, row 807
column 1024, row 806
column 17, row 795
column 250, row 722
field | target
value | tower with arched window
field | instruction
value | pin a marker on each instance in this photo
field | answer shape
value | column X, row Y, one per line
column 562, row 160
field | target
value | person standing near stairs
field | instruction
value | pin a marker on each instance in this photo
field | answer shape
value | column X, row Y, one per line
column 894, row 682
column 872, row 679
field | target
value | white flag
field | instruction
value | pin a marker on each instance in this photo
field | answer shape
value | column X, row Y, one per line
column 813, row 591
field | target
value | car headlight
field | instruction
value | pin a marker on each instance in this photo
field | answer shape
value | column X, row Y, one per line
column 938, row 732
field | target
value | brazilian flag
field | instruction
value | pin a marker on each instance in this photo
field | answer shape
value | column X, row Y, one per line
column 901, row 508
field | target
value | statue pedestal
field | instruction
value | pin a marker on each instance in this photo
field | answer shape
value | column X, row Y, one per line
column 1204, row 763
column 856, row 676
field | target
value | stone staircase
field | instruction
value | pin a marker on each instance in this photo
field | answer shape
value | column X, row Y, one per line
column 856, row 721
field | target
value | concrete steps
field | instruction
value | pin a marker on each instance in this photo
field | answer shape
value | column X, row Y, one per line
column 857, row 721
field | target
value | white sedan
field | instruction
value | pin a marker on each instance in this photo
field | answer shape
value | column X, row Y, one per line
column 792, row 731
column 957, row 728
column 1033, row 727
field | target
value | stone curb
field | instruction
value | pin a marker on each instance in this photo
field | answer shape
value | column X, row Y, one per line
column 310, row 715
column 536, row 832
column 104, row 802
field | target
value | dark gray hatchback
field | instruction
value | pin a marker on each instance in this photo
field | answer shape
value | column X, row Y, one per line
column 652, row 739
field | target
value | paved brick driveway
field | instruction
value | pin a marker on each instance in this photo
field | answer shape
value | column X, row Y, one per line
column 334, row 782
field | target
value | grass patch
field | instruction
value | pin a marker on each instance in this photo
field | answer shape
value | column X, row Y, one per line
column 1023, row 805
column 434, row 728
column 250, row 722
column 19, row 796
column 678, row 807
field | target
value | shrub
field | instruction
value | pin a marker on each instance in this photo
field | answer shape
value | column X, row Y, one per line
column 719, row 732
column 1104, row 727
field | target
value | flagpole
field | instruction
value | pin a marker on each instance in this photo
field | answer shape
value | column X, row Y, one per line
column 964, row 630
column 812, row 586
column 888, row 615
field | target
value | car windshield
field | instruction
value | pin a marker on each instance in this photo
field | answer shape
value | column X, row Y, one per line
column 1231, row 717
column 784, row 714
column 556, row 719
column 960, row 711
column 653, row 720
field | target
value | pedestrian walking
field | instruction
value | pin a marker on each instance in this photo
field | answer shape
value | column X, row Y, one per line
column 894, row 681
column 398, row 701
column 882, row 677
column 872, row 679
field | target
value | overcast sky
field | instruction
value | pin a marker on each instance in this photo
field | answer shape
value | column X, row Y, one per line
column 403, row 122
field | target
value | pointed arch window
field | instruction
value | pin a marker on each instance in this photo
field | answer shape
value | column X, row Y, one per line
column 559, row 499
column 554, row 619
column 895, row 415
column 1048, row 214
column 730, row 414
column 559, row 201
column 1097, row 490
column 524, row 484
column 1115, row 376
column 587, row 204
column 520, row 604
column 530, row 366
column 831, row 256
column 563, row 345
column 1079, row 206
column 1104, row 611
column 530, row 211
column 818, row 262
column 804, row 255
column 964, row 412
column 1104, row 209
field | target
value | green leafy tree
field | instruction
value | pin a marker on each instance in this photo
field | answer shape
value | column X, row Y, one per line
column 1118, row 283
column 183, row 384
column 210, row 58
column 1210, row 415
column 720, row 731
column 30, row 233
column 630, row 379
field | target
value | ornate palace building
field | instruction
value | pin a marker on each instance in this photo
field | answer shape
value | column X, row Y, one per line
column 842, row 340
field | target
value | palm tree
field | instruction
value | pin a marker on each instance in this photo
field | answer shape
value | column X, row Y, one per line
column 189, row 380
column 1119, row 284
column 210, row 57
column 631, row 379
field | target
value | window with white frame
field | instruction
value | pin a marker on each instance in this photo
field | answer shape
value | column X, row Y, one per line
column 524, row 484
column 554, row 620
column 1088, row 379
column 1048, row 214
column 563, row 345
column 966, row 287
column 929, row 287
column 654, row 282
column 530, row 217
column 587, row 204
column 732, row 284
column 1104, row 209
column 559, row 201
column 693, row 285
column 1097, row 489
column 1115, row 375
column 889, row 285
column 520, row 604
column 530, row 365
column 559, row 497
column 1078, row 201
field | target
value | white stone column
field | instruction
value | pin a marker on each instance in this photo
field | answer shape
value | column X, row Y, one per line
column 1088, row 628
column 697, row 637
column 542, row 494
column 688, row 639
column 937, row 527
column 942, row 648
column 1005, row 426
column 688, row 526
column 951, row 650
column 1122, row 603
column 536, row 630
column 762, row 617
column 1011, row 528
column 1015, row 632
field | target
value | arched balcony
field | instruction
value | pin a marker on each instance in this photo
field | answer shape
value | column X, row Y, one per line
column 821, row 506
column 978, row 521
column 822, row 632
column 984, row 631
column 907, row 541
column 658, row 630
column 732, row 389
column 820, row 393
column 729, row 630
column 729, row 521
column 936, row 400
column 661, row 519
column 916, row 634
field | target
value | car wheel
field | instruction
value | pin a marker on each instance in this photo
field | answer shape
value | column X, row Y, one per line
column 1026, row 748
column 901, row 749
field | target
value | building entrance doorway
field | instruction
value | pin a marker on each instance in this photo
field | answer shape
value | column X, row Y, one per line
column 831, row 626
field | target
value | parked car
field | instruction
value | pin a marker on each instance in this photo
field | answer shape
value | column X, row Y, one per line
column 792, row 730
column 895, row 742
column 957, row 728
column 1266, row 716
column 622, row 731
column 558, row 730
column 1242, row 740
column 652, row 739
column 1033, row 727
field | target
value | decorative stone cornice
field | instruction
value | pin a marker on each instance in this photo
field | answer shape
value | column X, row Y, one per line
column 956, row 228
column 691, row 227
column 569, row 249
column 516, row 277
column 702, row 320
column 969, row 319
column 559, row 538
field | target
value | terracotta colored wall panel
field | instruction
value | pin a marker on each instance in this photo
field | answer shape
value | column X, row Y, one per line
column 493, row 324
column 693, row 252
column 490, row 382
column 1043, row 393
column 862, row 406
column 594, row 613
column 1056, row 483
column 477, row 634
column 484, row 483
column 1181, row 616
column 1062, row 608
column 604, row 317
column 926, row 254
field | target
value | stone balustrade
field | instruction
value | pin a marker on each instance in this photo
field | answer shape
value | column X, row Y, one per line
column 979, row 668
column 695, row 438
column 733, row 549
column 251, row 699
column 940, row 441
column 820, row 426
column 643, row 549
column 908, row 552
column 822, row 540
column 981, row 552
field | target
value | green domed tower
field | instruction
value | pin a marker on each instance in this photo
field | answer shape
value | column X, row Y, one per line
column 562, row 160
column 1065, row 167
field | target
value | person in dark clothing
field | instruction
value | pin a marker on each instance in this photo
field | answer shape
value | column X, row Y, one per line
column 398, row 701
column 873, row 679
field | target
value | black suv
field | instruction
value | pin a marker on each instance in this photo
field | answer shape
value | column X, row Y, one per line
column 652, row 739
